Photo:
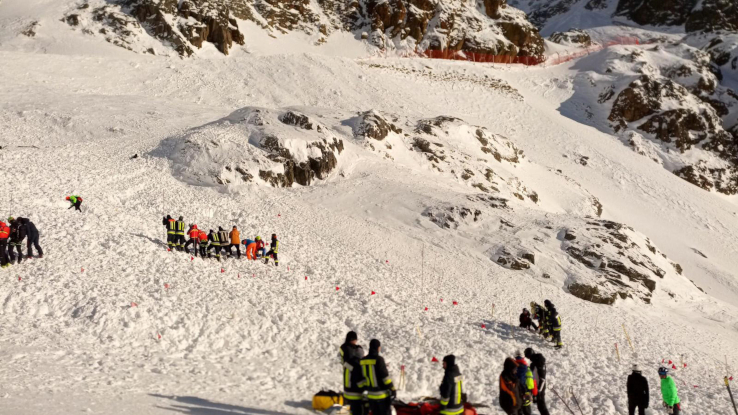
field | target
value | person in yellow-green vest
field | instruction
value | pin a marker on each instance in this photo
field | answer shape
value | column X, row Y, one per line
column 171, row 226
column 76, row 202
column 214, row 239
column 527, row 384
column 554, row 324
column 380, row 389
column 274, row 252
column 351, row 354
column 669, row 392
column 452, row 388
column 179, row 240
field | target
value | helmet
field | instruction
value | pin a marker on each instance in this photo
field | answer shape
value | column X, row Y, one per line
column 663, row 371
column 194, row 226
column 274, row 236
column 548, row 304
column 10, row 218
column 181, row 218
column 528, row 352
column 258, row 238
column 67, row 197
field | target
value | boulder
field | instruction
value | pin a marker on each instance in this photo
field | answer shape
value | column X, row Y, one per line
column 572, row 37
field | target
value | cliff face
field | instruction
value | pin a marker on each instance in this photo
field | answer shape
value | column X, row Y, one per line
column 490, row 26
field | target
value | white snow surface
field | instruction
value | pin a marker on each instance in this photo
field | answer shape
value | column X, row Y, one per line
column 109, row 322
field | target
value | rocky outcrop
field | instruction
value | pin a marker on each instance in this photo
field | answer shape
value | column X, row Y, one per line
column 373, row 124
column 451, row 217
column 456, row 25
column 572, row 37
column 713, row 15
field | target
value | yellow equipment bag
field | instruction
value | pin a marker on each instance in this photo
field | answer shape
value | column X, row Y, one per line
column 326, row 399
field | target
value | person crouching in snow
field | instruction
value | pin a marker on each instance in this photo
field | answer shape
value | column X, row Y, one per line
column 274, row 251
column 451, row 388
column 76, row 202
column 526, row 321
column 669, row 392
column 259, row 247
column 250, row 249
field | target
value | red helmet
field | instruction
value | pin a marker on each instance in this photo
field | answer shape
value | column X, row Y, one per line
column 194, row 226
column 67, row 197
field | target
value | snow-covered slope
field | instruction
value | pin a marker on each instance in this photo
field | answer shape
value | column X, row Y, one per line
column 110, row 322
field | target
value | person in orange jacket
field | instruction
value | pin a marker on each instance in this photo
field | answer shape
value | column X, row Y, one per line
column 4, row 235
column 203, row 242
column 250, row 248
column 235, row 241
column 194, row 240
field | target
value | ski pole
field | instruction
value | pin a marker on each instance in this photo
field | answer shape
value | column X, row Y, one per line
column 576, row 401
column 562, row 401
column 727, row 385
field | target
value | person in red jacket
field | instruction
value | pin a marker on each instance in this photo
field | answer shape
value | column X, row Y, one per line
column 194, row 240
column 203, row 239
column 4, row 235
column 259, row 247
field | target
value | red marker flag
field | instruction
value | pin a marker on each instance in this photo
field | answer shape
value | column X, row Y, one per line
column 134, row 304
column 19, row 278
column 337, row 288
column 373, row 293
column 673, row 366
column 166, row 285
column 192, row 258
column 483, row 326
column 455, row 303
column 426, row 309
column 434, row 360
column 222, row 270
column 158, row 335
column 306, row 278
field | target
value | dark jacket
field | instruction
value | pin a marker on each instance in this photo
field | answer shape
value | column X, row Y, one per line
column 510, row 399
column 378, row 382
column 451, row 391
column 525, row 320
column 353, row 377
column 165, row 221
column 637, row 389
column 31, row 230
column 17, row 231
column 538, row 367
column 554, row 321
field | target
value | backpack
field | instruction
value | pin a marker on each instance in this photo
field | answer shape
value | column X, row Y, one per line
column 326, row 399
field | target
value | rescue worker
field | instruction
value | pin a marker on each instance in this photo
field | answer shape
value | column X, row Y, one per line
column 235, row 241
column 194, row 240
column 554, row 324
column 259, row 247
column 380, row 389
column 4, row 235
column 250, row 249
column 171, row 225
column 669, row 392
column 538, row 367
column 17, row 235
column 526, row 321
column 76, row 202
column 274, row 251
column 214, row 240
column 510, row 399
column 637, row 392
column 452, row 388
column 203, row 241
column 180, row 234
column 32, row 238
column 539, row 313
column 351, row 354
column 527, row 384
column 224, row 239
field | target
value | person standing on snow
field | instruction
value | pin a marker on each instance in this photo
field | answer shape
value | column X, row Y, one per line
column 451, row 388
column 273, row 252
column 353, row 377
column 76, row 202
column 194, row 240
column 250, row 249
column 179, row 242
column 539, row 313
column 538, row 367
column 33, row 237
column 510, row 399
column 381, row 390
column 554, row 324
column 203, row 241
column 214, row 240
column 235, row 241
column 637, row 392
column 225, row 239
column 526, row 321
column 171, row 226
column 527, row 384
column 669, row 392
column 17, row 235
column 4, row 235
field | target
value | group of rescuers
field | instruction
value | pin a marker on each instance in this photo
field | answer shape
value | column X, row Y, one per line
column 521, row 384
column 221, row 241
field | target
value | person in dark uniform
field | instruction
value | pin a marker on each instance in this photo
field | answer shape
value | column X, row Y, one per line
column 214, row 240
column 32, row 238
column 179, row 241
column 273, row 252
column 510, row 398
column 351, row 354
column 17, row 235
column 637, row 392
column 381, row 390
column 538, row 367
column 171, row 226
column 451, row 388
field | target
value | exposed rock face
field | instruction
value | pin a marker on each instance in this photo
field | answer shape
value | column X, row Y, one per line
column 373, row 125
column 408, row 24
column 452, row 216
column 572, row 37
column 656, row 12
column 279, row 147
